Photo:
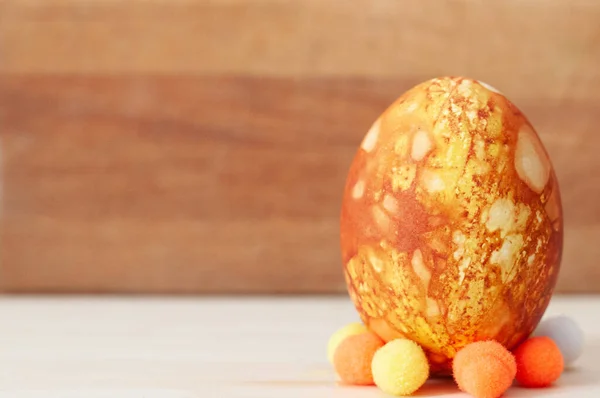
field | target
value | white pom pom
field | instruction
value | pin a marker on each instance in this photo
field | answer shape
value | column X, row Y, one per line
column 567, row 335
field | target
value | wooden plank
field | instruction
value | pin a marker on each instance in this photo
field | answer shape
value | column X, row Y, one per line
column 534, row 49
column 204, row 184
column 201, row 145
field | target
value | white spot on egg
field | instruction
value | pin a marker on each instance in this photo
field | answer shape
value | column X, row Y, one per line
column 457, row 110
column 390, row 204
column 462, row 269
column 458, row 237
column 538, row 244
column 432, row 181
column 501, row 216
column 505, row 256
column 459, row 253
column 433, row 308
column 492, row 89
column 421, row 145
column 464, row 88
column 531, row 162
column 376, row 263
column 381, row 219
column 471, row 114
column 479, row 149
column 358, row 190
column 412, row 107
column 370, row 140
column 419, row 267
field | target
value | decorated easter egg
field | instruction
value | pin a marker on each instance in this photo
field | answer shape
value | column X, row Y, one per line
column 451, row 221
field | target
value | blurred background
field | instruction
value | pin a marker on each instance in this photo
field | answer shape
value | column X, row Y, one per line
column 201, row 146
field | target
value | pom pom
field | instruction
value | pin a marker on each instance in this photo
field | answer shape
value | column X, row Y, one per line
column 539, row 362
column 567, row 335
column 400, row 367
column 484, row 369
column 336, row 338
column 353, row 356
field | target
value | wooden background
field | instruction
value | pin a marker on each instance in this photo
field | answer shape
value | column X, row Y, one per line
column 202, row 146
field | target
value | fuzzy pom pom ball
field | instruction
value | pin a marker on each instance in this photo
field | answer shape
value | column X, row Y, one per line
column 539, row 362
column 484, row 369
column 336, row 338
column 400, row 367
column 353, row 356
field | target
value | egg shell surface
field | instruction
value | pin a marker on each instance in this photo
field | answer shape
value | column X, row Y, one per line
column 451, row 221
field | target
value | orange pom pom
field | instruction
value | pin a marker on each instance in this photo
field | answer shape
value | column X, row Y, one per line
column 539, row 362
column 484, row 369
column 353, row 356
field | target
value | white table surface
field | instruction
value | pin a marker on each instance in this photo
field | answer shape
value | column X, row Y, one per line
column 210, row 347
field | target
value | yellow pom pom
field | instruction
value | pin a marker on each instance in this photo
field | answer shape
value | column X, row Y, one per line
column 400, row 367
column 348, row 330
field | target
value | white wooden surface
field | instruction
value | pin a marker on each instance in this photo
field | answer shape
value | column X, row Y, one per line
column 227, row 347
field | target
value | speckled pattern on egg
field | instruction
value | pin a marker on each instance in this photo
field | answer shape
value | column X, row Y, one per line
column 451, row 221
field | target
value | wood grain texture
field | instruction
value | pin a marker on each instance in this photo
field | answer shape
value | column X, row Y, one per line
column 552, row 45
column 202, row 146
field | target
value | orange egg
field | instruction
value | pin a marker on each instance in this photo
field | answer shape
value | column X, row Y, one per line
column 451, row 221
